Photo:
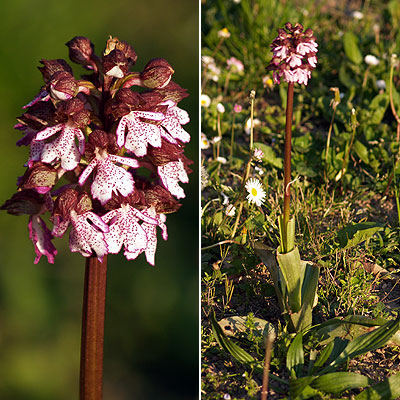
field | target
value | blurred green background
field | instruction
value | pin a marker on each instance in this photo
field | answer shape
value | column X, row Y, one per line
column 151, row 332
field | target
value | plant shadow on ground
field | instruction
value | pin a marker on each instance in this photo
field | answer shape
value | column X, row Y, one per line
column 330, row 191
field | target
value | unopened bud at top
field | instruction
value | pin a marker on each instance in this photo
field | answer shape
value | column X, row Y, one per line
column 156, row 74
column 80, row 50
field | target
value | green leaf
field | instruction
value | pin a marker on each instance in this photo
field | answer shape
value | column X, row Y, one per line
column 337, row 382
column 361, row 151
column 364, row 343
column 352, row 235
column 295, row 356
column 300, row 389
column 269, row 155
column 350, row 42
column 238, row 353
column 293, row 274
column 323, row 356
column 387, row 390
column 378, row 108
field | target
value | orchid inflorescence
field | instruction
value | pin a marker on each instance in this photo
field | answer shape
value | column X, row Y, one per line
column 119, row 151
column 294, row 54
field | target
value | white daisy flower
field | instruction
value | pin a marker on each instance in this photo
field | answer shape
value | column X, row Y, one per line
column 256, row 192
column 371, row 60
column 224, row 33
column 205, row 100
column 222, row 160
column 357, row 15
column 220, row 108
column 381, row 84
column 204, row 143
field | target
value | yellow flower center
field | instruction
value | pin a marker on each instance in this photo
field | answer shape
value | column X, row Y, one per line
column 254, row 192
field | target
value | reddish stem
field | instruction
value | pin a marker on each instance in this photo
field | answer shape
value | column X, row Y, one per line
column 287, row 155
column 93, row 310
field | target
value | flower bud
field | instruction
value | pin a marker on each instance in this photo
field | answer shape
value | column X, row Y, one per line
column 115, row 64
column 156, row 74
column 40, row 177
column 166, row 153
column 63, row 86
column 84, row 203
column 172, row 92
column 64, row 203
column 80, row 50
column 161, row 199
column 129, row 52
column 50, row 67
column 24, row 202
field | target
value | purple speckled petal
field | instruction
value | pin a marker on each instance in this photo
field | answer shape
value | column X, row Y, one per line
column 171, row 174
column 131, row 162
column 111, row 178
column 85, row 238
column 50, row 131
column 120, row 132
column 87, row 171
column 41, row 238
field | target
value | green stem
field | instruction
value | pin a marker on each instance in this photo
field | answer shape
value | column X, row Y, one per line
column 287, row 156
column 93, row 311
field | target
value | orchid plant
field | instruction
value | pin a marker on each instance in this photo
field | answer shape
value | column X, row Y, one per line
column 294, row 57
column 105, row 160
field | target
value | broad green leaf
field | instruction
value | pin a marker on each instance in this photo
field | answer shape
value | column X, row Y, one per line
column 378, row 108
column 361, row 151
column 269, row 155
column 350, row 42
column 352, row 235
column 295, row 356
column 300, row 388
column 337, row 382
column 323, row 356
column 364, row 343
column 293, row 273
column 238, row 353
column 347, row 81
column 389, row 389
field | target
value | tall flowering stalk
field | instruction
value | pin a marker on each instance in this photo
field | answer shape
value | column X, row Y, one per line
column 105, row 161
column 294, row 57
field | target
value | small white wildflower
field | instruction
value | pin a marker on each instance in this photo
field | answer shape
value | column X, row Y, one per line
column 205, row 100
column 236, row 2
column 258, row 154
column 220, row 108
column 247, row 126
column 204, row 143
column 357, row 15
column 381, row 84
column 259, row 170
column 235, row 64
column 341, row 95
column 216, row 139
column 206, row 60
column 222, row 160
column 227, row 396
column 226, row 199
column 230, row 210
column 256, row 192
column 224, row 33
column 371, row 60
